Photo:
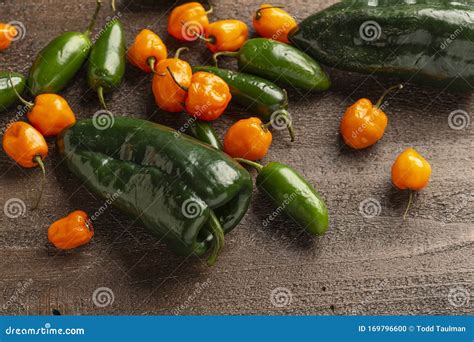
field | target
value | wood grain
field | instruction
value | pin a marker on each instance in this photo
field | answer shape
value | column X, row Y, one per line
column 379, row 265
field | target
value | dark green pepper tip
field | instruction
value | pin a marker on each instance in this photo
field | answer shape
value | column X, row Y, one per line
column 94, row 18
column 217, row 238
column 223, row 53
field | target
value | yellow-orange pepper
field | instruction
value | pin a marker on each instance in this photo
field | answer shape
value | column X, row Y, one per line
column 363, row 124
column 71, row 231
column 208, row 96
column 169, row 94
column 410, row 171
column 7, row 34
column 273, row 23
column 188, row 21
column 147, row 50
column 248, row 138
column 226, row 35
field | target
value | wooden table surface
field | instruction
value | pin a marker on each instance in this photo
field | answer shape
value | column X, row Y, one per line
column 363, row 265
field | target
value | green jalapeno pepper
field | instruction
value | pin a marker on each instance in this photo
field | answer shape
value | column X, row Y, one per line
column 288, row 190
column 60, row 60
column 203, row 131
column 107, row 60
column 263, row 98
column 7, row 88
column 427, row 42
column 185, row 192
column 280, row 63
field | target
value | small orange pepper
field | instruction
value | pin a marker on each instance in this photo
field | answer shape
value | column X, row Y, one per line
column 7, row 34
column 248, row 138
column 169, row 94
column 274, row 23
column 208, row 96
column 71, row 231
column 147, row 50
column 226, row 35
column 363, row 124
column 410, row 171
column 188, row 21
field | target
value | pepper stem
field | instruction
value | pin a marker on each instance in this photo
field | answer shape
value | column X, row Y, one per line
column 113, row 6
column 218, row 238
column 389, row 90
column 26, row 103
column 94, row 18
column 410, row 200
column 175, row 80
column 100, row 94
column 151, row 61
column 255, row 165
column 224, row 53
column 210, row 10
column 289, row 123
column 39, row 161
column 178, row 52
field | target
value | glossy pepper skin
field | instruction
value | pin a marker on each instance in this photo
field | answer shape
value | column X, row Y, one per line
column 107, row 60
column 273, row 23
column 255, row 94
column 208, row 96
column 410, row 171
column 188, row 21
column 281, row 63
column 60, row 60
column 203, row 131
column 226, row 35
column 7, row 93
column 421, row 33
column 7, row 34
column 71, row 231
column 288, row 190
column 248, row 138
column 147, row 50
column 173, row 182
column 24, row 144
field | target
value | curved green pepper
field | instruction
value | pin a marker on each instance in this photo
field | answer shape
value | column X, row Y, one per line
column 261, row 97
column 107, row 60
column 293, row 195
column 280, row 63
column 432, row 40
column 7, row 93
column 203, row 131
column 185, row 192
column 60, row 60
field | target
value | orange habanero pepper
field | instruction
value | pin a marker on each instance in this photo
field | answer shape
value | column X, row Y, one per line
column 226, row 35
column 147, row 50
column 168, row 87
column 364, row 124
column 274, row 23
column 7, row 34
column 188, row 21
column 410, row 171
column 248, row 138
column 71, row 231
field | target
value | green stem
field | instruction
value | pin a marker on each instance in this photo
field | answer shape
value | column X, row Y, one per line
column 389, row 90
column 210, row 10
column 151, row 61
column 100, row 94
column 113, row 6
column 291, row 130
column 218, row 238
column 224, row 53
column 175, row 80
column 178, row 52
column 26, row 103
column 410, row 199
column 257, row 166
column 39, row 161
column 94, row 18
